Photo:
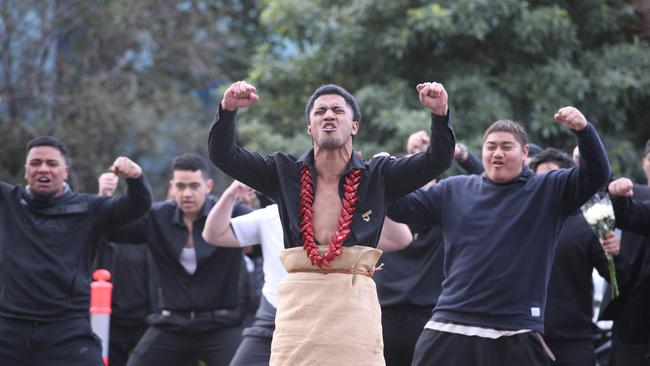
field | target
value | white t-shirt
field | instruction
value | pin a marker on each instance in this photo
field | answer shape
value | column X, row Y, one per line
column 188, row 259
column 263, row 227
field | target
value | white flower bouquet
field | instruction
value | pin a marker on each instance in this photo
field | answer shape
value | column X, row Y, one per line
column 599, row 213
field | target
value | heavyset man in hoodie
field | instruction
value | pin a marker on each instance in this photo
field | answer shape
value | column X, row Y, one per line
column 500, row 230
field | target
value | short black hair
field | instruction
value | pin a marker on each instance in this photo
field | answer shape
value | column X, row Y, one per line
column 505, row 125
column 338, row 90
column 647, row 148
column 50, row 141
column 190, row 162
column 552, row 155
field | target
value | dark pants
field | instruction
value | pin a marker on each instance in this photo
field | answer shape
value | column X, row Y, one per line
column 255, row 348
column 123, row 339
column 442, row 349
column 628, row 354
column 402, row 326
column 164, row 347
column 67, row 342
column 575, row 353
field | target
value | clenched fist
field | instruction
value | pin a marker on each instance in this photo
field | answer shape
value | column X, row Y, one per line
column 622, row 187
column 434, row 97
column 125, row 168
column 240, row 190
column 238, row 95
column 571, row 117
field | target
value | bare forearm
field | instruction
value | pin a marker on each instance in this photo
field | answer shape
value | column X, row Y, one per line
column 217, row 229
column 394, row 236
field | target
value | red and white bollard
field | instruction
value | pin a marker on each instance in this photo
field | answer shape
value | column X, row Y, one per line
column 100, row 308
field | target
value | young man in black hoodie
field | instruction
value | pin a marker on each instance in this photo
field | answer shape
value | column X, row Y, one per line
column 49, row 236
column 500, row 230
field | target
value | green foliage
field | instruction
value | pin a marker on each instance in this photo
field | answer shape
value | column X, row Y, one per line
column 514, row 59
column 138, row 77
column 113, row 78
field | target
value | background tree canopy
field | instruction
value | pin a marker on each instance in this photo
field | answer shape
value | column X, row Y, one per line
column 142, row 78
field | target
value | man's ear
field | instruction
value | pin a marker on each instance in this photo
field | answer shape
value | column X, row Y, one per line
column 210, row 185
column 355, row 127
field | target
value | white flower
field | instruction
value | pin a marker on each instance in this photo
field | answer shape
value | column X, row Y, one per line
column 599, row 212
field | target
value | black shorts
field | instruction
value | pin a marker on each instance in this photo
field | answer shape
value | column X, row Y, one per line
column 450, row 349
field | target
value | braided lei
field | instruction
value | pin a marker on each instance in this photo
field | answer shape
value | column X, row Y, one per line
column 349, row 201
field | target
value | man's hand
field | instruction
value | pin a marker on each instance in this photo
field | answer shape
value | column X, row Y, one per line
column 107, row 184
column 622, row 187
column 238, row 95
column 611, row 243
column 434, row 97
column 125, row 168
column 239, row 190
column 460, row 153
column 571, row 117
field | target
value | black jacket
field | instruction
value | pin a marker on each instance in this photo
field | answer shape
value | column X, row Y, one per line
column 383, row 179
column 631, row 309
column 569, row 302
column 47, row 248
column 135, row 283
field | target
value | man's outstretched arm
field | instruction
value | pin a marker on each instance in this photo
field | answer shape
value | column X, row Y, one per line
column 593, row 172
column 408, row 174
column 250, row 168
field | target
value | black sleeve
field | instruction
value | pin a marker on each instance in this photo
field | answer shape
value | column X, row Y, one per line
column 591, row 175
column 421, row 207
column 125, row 209
column 405, row 175
column 472, row 165
column 133, row 233
column 632, row 215
column 250, row 168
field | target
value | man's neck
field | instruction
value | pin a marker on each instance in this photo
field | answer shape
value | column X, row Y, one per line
column 330, row 164
column 45, row 197
column 189, row 219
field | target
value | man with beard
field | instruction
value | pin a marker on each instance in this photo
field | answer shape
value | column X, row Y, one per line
column 329, row 196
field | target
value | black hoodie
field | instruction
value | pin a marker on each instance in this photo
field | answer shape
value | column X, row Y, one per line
column 47, row 247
